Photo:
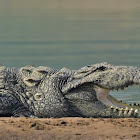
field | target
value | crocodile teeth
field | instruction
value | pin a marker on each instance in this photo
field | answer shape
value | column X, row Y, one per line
column 126, row 111
column 131, row 112
column 115, row 110
column 111, row 107
column 136, row 114
column 120, row 112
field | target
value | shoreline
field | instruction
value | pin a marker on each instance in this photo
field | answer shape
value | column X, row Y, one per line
column 71, row 128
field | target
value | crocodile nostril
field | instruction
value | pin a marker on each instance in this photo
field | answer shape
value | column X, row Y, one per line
column 98, row 80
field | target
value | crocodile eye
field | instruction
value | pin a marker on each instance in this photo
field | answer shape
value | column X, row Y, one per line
column 102, row 68
column 38, row 96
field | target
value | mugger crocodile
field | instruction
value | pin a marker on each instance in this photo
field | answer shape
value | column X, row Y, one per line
column 46, row 92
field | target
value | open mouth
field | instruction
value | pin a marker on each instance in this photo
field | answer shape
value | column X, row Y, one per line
column 104, row 97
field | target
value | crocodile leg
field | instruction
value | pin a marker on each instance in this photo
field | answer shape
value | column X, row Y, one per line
column 10, row 106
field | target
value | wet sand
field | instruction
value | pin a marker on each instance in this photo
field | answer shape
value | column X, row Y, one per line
column 69, row 129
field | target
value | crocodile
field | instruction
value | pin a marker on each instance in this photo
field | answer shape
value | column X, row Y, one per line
column 44, row 92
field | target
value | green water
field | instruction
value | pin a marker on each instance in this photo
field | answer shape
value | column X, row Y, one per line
column 72, row 39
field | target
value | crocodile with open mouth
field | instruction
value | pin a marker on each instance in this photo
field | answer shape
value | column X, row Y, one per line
column 45, row 92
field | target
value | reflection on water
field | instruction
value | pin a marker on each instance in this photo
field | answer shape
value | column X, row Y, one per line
column 72, row 38
column 130, row 95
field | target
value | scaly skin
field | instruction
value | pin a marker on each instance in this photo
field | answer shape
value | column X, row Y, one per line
column 45, row 92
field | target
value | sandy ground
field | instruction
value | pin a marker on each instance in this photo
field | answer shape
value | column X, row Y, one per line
column 69, row 129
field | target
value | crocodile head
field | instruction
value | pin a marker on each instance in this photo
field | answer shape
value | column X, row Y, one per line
column 88, row 90
column 83, row 92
